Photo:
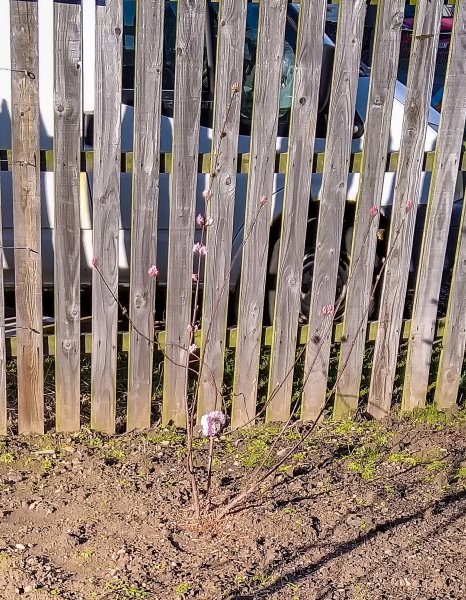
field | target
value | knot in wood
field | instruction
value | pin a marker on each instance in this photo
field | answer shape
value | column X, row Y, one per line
column 398, row 19
column 138, row 301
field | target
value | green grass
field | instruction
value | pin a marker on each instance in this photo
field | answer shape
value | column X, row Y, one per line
column 364, row 461
column 255, row 453
column 405, row 459
column 183, row 588
column 431, row 416
column 126, row 591
column 6, row 458
column 169, row 435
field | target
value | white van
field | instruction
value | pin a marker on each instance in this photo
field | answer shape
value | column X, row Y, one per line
column 45, row 8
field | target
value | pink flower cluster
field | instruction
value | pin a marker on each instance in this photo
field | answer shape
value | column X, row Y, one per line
column 200, row 249
column 373, row 211
column 153, row 271
column 327, row 309
column 212, row 423
column 203, row 222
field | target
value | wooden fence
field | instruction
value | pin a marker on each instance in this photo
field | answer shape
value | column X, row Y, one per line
column 249, row 337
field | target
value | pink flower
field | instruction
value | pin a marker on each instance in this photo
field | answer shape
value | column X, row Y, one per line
column 263, row 200
column 192, row 348
column 200, row 249
column 327, row 309
column 153, row 271
column 235, row 87
column 194, row 277
column 212, row 423
column 200, row 220
column 373, row 211
column 207, row 194
column 409, row 205
column 94, row 261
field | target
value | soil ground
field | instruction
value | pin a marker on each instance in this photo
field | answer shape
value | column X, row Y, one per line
column 364, row 510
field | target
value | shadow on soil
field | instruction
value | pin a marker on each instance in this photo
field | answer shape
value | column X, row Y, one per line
column 438, row 507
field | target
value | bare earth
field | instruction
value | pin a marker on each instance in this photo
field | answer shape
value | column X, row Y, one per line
column 363, row 511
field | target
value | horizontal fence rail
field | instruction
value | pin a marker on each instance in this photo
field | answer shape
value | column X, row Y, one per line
column 243, row 159
column 277, row 302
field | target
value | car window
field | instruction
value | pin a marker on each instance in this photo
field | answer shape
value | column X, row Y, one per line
column 169, row 46
column 249, row 68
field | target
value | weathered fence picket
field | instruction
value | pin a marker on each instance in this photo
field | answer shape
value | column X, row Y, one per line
column 26, row 211
column 148, row 90
column 220, row 209
column 67, row 107
column 107, row 144
column 436, row 228
column 187, row 107
column 272, row 19
column 378, row 118
column 454, row 339
column 296, row 205
column 406, row 197
column 332, row 204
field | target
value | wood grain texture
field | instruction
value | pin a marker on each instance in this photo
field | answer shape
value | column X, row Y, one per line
column 188, row 86
column 374, row 159
column 26, row 213
column 67, row 112
column 407, row 187
column 148, row 89
column 230, row 52
column 272, row 19
column 332, row 203
column 296, row 206
column 437, row 224
column 106, row 217
column 454, row 339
